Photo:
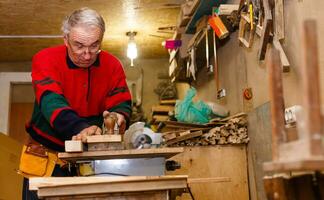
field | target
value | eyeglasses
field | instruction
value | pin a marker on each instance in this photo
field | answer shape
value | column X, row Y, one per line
column 80, row 49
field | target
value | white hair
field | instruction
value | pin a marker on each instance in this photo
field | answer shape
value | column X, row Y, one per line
column 83, row 16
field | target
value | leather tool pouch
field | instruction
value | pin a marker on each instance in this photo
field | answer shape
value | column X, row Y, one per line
column 36, row 161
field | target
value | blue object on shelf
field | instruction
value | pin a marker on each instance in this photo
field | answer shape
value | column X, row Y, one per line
column 204, row 8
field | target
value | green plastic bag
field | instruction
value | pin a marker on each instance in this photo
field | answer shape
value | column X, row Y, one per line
column 188, row 111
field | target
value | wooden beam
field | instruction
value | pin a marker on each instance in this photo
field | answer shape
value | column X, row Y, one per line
column 311, row 89
column 276, row 102
column 184, row 137
column 283, row 57
column 208, row 180
column 120, row 154
column 279, row 20
column 38, row 182
column 297, row 165
column 266, row 30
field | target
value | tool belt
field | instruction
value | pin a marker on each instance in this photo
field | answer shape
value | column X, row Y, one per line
column 37, row 160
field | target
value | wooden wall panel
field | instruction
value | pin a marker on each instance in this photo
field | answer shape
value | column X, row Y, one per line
column 215, row 161
column 20, row 113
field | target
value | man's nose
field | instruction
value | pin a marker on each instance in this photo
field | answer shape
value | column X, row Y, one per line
column 87, row 54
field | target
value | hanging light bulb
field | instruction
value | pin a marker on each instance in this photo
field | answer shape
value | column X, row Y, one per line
column 131, row 47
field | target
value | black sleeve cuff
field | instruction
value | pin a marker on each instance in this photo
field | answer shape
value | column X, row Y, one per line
column 68, row 124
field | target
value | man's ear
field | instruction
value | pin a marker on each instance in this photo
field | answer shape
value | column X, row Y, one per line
column 65, row 39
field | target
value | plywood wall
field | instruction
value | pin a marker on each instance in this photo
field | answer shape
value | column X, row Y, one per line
column 10, row 181
column 211, row 162
column 239, row 68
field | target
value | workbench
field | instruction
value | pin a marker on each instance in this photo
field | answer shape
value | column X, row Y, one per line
column 111, row 188
column 149, row 164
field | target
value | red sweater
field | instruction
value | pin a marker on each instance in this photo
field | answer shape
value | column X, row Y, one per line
column 69, row 98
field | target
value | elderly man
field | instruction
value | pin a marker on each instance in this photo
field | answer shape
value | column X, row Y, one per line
column 76, row 85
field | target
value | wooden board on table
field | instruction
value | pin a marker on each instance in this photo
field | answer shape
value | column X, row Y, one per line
column 121, row 154
column 63, row 186
column 73, row 146
column 104, row 138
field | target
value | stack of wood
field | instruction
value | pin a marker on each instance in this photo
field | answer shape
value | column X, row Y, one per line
column 160, row 113
column 231, row 131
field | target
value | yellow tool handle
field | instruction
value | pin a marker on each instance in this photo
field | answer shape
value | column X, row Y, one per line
column 251, row 15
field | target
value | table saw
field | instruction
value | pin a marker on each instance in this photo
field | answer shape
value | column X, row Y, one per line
column 110, row 161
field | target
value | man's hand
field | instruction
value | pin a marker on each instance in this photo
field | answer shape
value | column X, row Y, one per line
column 120, row 121
column 92, row 130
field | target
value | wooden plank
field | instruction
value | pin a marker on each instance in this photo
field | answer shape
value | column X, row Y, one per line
column 313, row 129
column 298, row 187
column 265, row 38
column 72, row 186
column 259, row 148
column 119, row 154
column 276, row 187
column 184, row 137
column 229, row 117
column 168, row 101
column 160, row 118
column 283, row 57
column 279, row 20
column 276, row 102
column 266, row 30
column 38, row 182
column 73, row 146
column 315, row 164
column 214, row 162
column 104, row 138
column 208, row 180
column 162, row 108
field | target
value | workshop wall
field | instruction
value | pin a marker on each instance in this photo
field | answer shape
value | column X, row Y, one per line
column 232, row 58
column 154, row 71
column 239, row 69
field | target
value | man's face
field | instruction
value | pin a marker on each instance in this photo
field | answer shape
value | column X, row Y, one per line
column 83, row 43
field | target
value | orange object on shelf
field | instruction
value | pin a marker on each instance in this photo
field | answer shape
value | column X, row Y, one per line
column 216, row 23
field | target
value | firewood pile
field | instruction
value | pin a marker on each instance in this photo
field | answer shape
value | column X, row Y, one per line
column 230, row 131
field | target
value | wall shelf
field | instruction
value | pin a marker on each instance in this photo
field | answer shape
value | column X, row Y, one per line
column 204, row 8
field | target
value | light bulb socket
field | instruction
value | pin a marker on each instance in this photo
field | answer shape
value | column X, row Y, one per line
column 131, row 33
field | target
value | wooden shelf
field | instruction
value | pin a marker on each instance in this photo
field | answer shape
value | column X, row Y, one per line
column 204, row 8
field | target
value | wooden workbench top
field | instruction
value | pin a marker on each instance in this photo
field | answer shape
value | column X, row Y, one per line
column 78, row 186
column 121, row 154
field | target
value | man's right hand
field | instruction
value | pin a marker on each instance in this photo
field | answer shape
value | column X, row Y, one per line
column 92, row 130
